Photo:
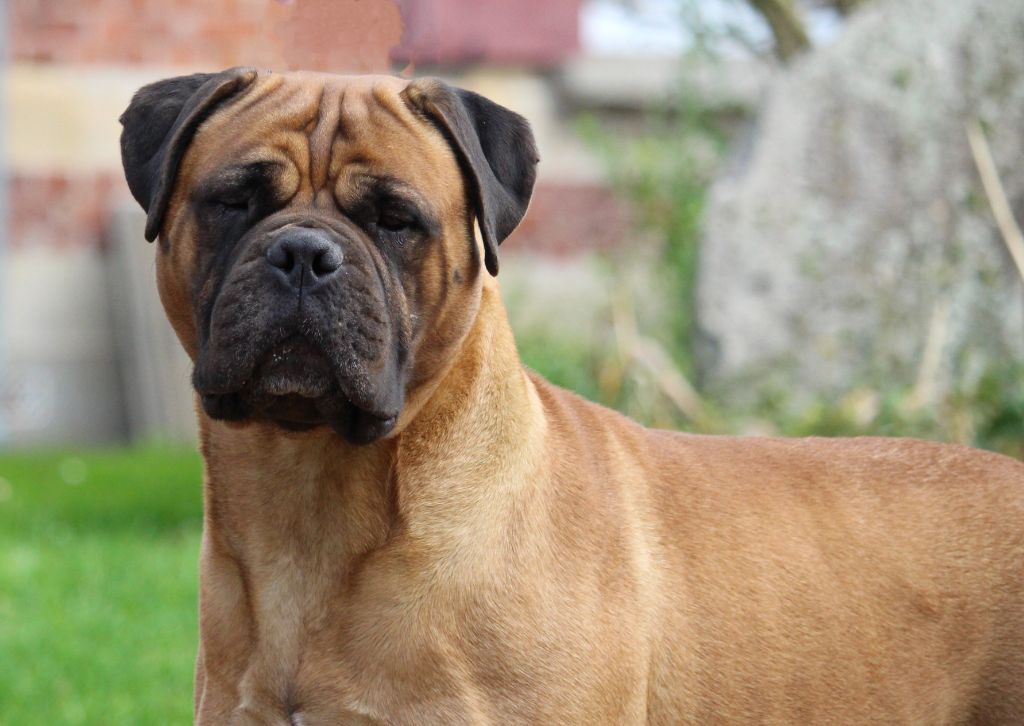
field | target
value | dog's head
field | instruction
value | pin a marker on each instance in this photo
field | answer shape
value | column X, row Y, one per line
column 317, row 254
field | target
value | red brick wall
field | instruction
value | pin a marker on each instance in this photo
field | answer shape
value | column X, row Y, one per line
column 62, row 211
column 340, row 35
column 565, row 218
column 534, row 32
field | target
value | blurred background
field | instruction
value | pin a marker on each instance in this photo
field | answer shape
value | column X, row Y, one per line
column 752, row 216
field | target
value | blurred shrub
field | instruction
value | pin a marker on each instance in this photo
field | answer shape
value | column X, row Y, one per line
column 988, row 414
column 663, row 164
column 640, row 359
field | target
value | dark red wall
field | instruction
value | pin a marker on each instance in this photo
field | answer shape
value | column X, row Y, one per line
column 535, row 32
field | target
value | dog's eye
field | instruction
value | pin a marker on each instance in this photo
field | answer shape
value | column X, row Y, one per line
column 394, row 220
column 237, row 203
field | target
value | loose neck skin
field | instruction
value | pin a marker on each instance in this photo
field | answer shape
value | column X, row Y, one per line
column 468, row 444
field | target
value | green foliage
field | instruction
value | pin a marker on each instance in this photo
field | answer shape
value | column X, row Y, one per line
column 98, row 557
column 564, row 363
column 995, row 410
column 664, row 168
column 988, row 414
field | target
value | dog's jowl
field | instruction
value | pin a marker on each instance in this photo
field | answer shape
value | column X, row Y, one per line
column 404, row 526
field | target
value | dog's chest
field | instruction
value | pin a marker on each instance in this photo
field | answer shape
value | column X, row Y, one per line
column 329, row 651
column 347, row 623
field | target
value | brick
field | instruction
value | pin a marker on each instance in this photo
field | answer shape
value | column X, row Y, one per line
column 324, row 34
column 567, row 219
column 56, row 210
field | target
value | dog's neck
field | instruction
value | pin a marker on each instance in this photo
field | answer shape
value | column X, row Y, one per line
column 268, row 488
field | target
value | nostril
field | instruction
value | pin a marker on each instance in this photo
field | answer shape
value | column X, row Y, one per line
column 281, row 257
column 328, row 261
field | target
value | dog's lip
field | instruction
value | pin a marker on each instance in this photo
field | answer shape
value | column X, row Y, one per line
column 291, row 382
column 295, row 386
column 296, row 413
column 294, row 410
column 290, row 370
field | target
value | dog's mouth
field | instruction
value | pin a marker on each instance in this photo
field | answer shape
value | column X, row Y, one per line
column 295, row 386
column 292, row 383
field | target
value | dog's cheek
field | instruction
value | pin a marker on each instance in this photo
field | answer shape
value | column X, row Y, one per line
column 404, row 317
column 174, row 270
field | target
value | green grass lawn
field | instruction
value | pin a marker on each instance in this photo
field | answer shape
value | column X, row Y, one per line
column 98, row 586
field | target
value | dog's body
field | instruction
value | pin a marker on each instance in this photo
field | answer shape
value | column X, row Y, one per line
column 415, row 530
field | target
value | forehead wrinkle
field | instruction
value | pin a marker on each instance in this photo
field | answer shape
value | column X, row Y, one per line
column 270, row 104
column 397, row 109
column 400, row 120
column 291, row 146
column 286, row 104
column 320, row 139
column 257, row 93
column 341, row 131
column 287, row 148
column 287, row 125
column 426, row 135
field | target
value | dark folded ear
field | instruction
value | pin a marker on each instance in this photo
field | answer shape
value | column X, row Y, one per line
column 157, row 128
column 496, row 150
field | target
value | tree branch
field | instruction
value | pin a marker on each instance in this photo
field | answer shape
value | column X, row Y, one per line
column 996, row 194
column 786, row 25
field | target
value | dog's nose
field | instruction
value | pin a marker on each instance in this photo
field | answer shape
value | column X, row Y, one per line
column 305, row 256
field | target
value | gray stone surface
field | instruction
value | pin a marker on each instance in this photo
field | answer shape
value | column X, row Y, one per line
column 853, row 233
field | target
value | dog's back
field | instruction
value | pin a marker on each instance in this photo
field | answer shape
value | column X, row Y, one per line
column 818, row 580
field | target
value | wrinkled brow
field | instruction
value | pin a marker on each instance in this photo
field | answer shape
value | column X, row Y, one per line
column 239, row 175
column 376, row 187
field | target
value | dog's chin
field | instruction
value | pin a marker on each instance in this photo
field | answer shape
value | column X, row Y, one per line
column 295, row 388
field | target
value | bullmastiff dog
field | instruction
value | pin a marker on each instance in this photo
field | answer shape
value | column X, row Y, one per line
column 405, row 526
